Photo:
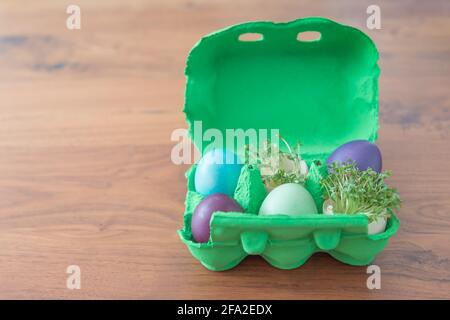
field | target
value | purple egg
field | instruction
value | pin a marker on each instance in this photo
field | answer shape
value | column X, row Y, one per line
column 363, row 153
column 204, row 210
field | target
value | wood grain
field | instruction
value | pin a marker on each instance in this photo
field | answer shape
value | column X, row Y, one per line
column 85, row 170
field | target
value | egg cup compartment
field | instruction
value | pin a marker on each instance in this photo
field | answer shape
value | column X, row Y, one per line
column 322, row 93
column 284, row 242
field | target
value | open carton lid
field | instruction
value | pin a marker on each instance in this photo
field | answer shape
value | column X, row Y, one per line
column 320, row 93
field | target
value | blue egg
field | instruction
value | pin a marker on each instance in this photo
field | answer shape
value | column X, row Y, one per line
column 218, row 172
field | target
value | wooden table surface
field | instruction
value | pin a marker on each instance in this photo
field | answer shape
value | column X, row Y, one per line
column 85, row 172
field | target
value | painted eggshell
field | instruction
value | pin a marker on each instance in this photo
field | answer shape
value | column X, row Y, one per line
column 217, row 172
column 288, row 199
column 363, row 153
column 203, row 212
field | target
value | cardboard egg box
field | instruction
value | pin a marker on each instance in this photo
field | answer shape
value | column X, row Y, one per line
column 323, row 93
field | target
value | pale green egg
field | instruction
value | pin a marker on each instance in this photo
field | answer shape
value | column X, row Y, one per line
column 288, row 199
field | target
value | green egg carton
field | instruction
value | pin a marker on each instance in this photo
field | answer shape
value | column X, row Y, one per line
column 322, row 93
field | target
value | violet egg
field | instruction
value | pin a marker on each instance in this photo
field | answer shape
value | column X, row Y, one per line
column 203, row 212
column 363, row 153
column 217, row 172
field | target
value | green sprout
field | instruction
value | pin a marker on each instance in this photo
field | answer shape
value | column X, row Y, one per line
column 278, row 167
column 354, row 191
